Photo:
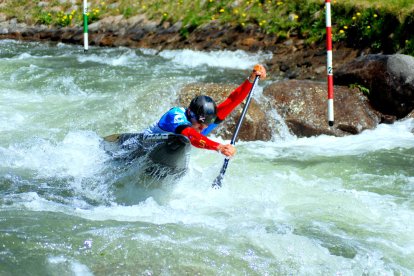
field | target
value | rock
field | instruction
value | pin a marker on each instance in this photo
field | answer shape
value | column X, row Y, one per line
column 94, row 27
column 68, row 35
column 137, row 20
column 255, row 125
column 389, row 78
column 3, row 17
column 56, row 9
column 42, row 4
column 176, row 27
column 388, row 119
column 248, row 41
column 410, row 115
column 303, row 105
column 67, row 1
column 320, row 70
column 110, row 23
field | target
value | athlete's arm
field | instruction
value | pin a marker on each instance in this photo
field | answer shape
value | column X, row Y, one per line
column 233, row 100
column 200, row 141
column 240, row 93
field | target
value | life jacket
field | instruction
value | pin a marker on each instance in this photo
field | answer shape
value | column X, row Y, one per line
column 169, row 122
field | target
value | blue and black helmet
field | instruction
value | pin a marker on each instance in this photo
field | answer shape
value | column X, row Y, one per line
column 203, row 109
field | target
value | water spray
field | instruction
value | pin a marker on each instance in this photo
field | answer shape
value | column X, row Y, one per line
column 329, row 69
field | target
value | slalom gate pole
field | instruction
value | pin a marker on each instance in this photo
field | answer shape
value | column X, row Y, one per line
column 329, row 69
column 85, row 25
column 217, row 182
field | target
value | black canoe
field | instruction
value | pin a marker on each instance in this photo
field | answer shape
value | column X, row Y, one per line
column 166, row 154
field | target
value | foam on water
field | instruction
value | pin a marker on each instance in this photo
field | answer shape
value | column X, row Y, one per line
column 180, row 58
column 14, row 119
column 126, row 58
column 220, row 59
column 64, row 265
column 79, row 156
column 75, row 163
column 383, row 137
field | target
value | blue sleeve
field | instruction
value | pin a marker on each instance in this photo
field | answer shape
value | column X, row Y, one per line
column 207, row 130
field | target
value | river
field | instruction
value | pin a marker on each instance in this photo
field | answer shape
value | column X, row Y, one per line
column 290, row 206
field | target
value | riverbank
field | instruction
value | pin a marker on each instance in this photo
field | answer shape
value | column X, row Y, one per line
column 293, row 31
column 292, row 58
column 384, row 27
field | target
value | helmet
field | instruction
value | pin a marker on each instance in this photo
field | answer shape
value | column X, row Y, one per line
column 203, row 109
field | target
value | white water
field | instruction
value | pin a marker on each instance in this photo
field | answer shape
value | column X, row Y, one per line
column 310, row 206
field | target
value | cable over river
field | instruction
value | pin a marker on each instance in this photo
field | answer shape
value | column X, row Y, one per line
column 290, row 206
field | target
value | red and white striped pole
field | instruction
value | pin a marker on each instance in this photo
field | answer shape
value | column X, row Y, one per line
column 329, row 69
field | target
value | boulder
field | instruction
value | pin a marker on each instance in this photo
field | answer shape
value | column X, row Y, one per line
column 256, row 125
column 410, row 115
column 389, row 78
column 303, row 105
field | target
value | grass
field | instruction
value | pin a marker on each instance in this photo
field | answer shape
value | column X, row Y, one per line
column 400, row 7
column 363, row 23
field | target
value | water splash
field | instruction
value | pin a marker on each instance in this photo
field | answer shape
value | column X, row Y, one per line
column 216, row 59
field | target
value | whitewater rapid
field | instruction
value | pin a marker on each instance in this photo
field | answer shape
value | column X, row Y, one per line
column 290, row 206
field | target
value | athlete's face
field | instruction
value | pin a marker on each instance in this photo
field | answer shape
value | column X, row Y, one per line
column 198, row 126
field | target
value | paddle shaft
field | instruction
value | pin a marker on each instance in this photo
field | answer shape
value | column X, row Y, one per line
column 217, row 181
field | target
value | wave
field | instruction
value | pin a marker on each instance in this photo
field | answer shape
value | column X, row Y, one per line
column 217, row 59
column 113, row 58
column 383, row 137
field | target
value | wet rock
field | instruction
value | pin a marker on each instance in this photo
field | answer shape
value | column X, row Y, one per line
column 389, row 78
column 137, row 34
column 68, row 35
column 410, row 115
column 255, row 125
column 303, row 105
column 388, row 119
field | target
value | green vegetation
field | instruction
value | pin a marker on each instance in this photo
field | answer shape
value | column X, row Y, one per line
column 361, row 88
column 381, row 25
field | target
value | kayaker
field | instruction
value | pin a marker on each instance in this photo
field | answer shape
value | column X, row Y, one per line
column 193, row 122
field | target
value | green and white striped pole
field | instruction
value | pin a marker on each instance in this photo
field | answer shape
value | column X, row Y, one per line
column 85, row 25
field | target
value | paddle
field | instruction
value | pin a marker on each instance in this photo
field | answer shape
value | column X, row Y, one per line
column 217, row 181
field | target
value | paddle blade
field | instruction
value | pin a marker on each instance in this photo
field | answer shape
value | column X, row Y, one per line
column 217, row 181
column 112, row 138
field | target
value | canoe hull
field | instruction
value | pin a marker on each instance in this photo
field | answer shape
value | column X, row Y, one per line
column 164, row 154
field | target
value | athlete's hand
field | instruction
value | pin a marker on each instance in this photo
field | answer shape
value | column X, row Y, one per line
column 228, row 150
column 258, row 70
